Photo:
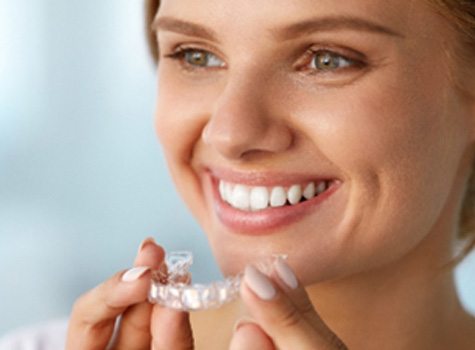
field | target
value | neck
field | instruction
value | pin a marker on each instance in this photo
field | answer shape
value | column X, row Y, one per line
column 409, row 304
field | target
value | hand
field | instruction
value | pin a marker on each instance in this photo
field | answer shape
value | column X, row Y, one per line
column 94, row 313
column 283, row 316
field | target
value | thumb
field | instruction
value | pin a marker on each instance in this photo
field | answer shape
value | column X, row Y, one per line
column 249, row 336
column 171, row 329
column 283, row 309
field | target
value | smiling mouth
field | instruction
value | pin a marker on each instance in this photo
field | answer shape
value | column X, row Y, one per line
column 263, row 203
column 258, row 198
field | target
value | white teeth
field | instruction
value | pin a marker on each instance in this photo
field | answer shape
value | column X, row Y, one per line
column 309, row 191
column 228, row 191
column 278, row 197
column 221, row 190
column 240, row 197
column 322, row 186
column 259, row 198
column 294, row 194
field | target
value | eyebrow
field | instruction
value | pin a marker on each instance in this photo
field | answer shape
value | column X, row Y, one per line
column 183, row 27
column 331, row 23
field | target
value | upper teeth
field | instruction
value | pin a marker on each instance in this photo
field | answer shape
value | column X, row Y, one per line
column 259, row 197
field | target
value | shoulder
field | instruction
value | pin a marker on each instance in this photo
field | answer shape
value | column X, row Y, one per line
column 46, row 336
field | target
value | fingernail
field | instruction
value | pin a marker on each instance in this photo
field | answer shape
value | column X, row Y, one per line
column 146, row 242
column 134, row 273
column 285, row 273
column 259, row 283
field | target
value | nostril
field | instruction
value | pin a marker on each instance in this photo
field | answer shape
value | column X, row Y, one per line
column 239, row 135
column 248, row 145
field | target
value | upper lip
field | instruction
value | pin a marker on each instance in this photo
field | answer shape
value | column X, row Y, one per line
column 267, row 178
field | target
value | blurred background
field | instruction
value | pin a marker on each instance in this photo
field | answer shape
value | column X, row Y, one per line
column 82, row 178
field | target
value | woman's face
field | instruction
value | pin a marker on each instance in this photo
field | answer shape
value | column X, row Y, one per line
column 261, row 99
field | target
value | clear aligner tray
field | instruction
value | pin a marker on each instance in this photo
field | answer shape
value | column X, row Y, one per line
column 171, row 285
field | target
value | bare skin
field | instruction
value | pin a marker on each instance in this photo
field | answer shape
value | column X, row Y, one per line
column 374, row 102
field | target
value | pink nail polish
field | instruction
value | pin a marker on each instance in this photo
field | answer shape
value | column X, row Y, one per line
column 134, row 273
column 285, row 273
column 259, row 283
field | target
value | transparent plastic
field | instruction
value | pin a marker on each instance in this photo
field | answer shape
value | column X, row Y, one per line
column 171, row 284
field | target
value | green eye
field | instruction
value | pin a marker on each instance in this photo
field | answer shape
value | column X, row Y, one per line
column 327, row 61
column 200, row 58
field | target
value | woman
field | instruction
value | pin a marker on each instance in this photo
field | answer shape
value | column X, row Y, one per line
column 338, row 132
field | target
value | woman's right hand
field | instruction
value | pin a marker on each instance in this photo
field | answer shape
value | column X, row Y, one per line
column 143, row 325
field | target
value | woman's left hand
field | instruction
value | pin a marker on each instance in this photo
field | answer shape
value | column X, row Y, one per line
column 283, row 315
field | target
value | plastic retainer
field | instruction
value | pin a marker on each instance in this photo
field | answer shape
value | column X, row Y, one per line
column 170, row 286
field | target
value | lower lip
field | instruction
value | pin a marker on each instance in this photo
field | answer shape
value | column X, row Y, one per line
column 266, row 221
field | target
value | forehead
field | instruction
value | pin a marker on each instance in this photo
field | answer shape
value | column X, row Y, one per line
column 231, row 15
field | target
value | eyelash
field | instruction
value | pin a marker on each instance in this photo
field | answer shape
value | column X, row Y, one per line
column 349, row 63
column 180, row 54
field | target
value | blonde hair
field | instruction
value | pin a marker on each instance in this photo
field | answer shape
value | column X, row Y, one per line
column 151, row 8
column 461, row 15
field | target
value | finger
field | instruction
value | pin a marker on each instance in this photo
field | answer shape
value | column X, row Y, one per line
column 283, row 310
column 171, row 329
column 249, row 336
column 286, row 279
column 134, row 329
column 94, row 313
column 134, row 333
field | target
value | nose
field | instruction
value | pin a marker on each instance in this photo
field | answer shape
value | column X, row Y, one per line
column 244, row 123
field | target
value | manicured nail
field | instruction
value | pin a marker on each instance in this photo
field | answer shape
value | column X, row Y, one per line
column 259, row 283
column 285, row 273
column 146, row 242
column 134, row 273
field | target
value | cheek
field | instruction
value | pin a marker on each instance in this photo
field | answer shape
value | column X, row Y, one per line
column 174, row 119
column 394, row 141
column 182, row 111
column 178, row 126
column 183, row 108
column 392, row 132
